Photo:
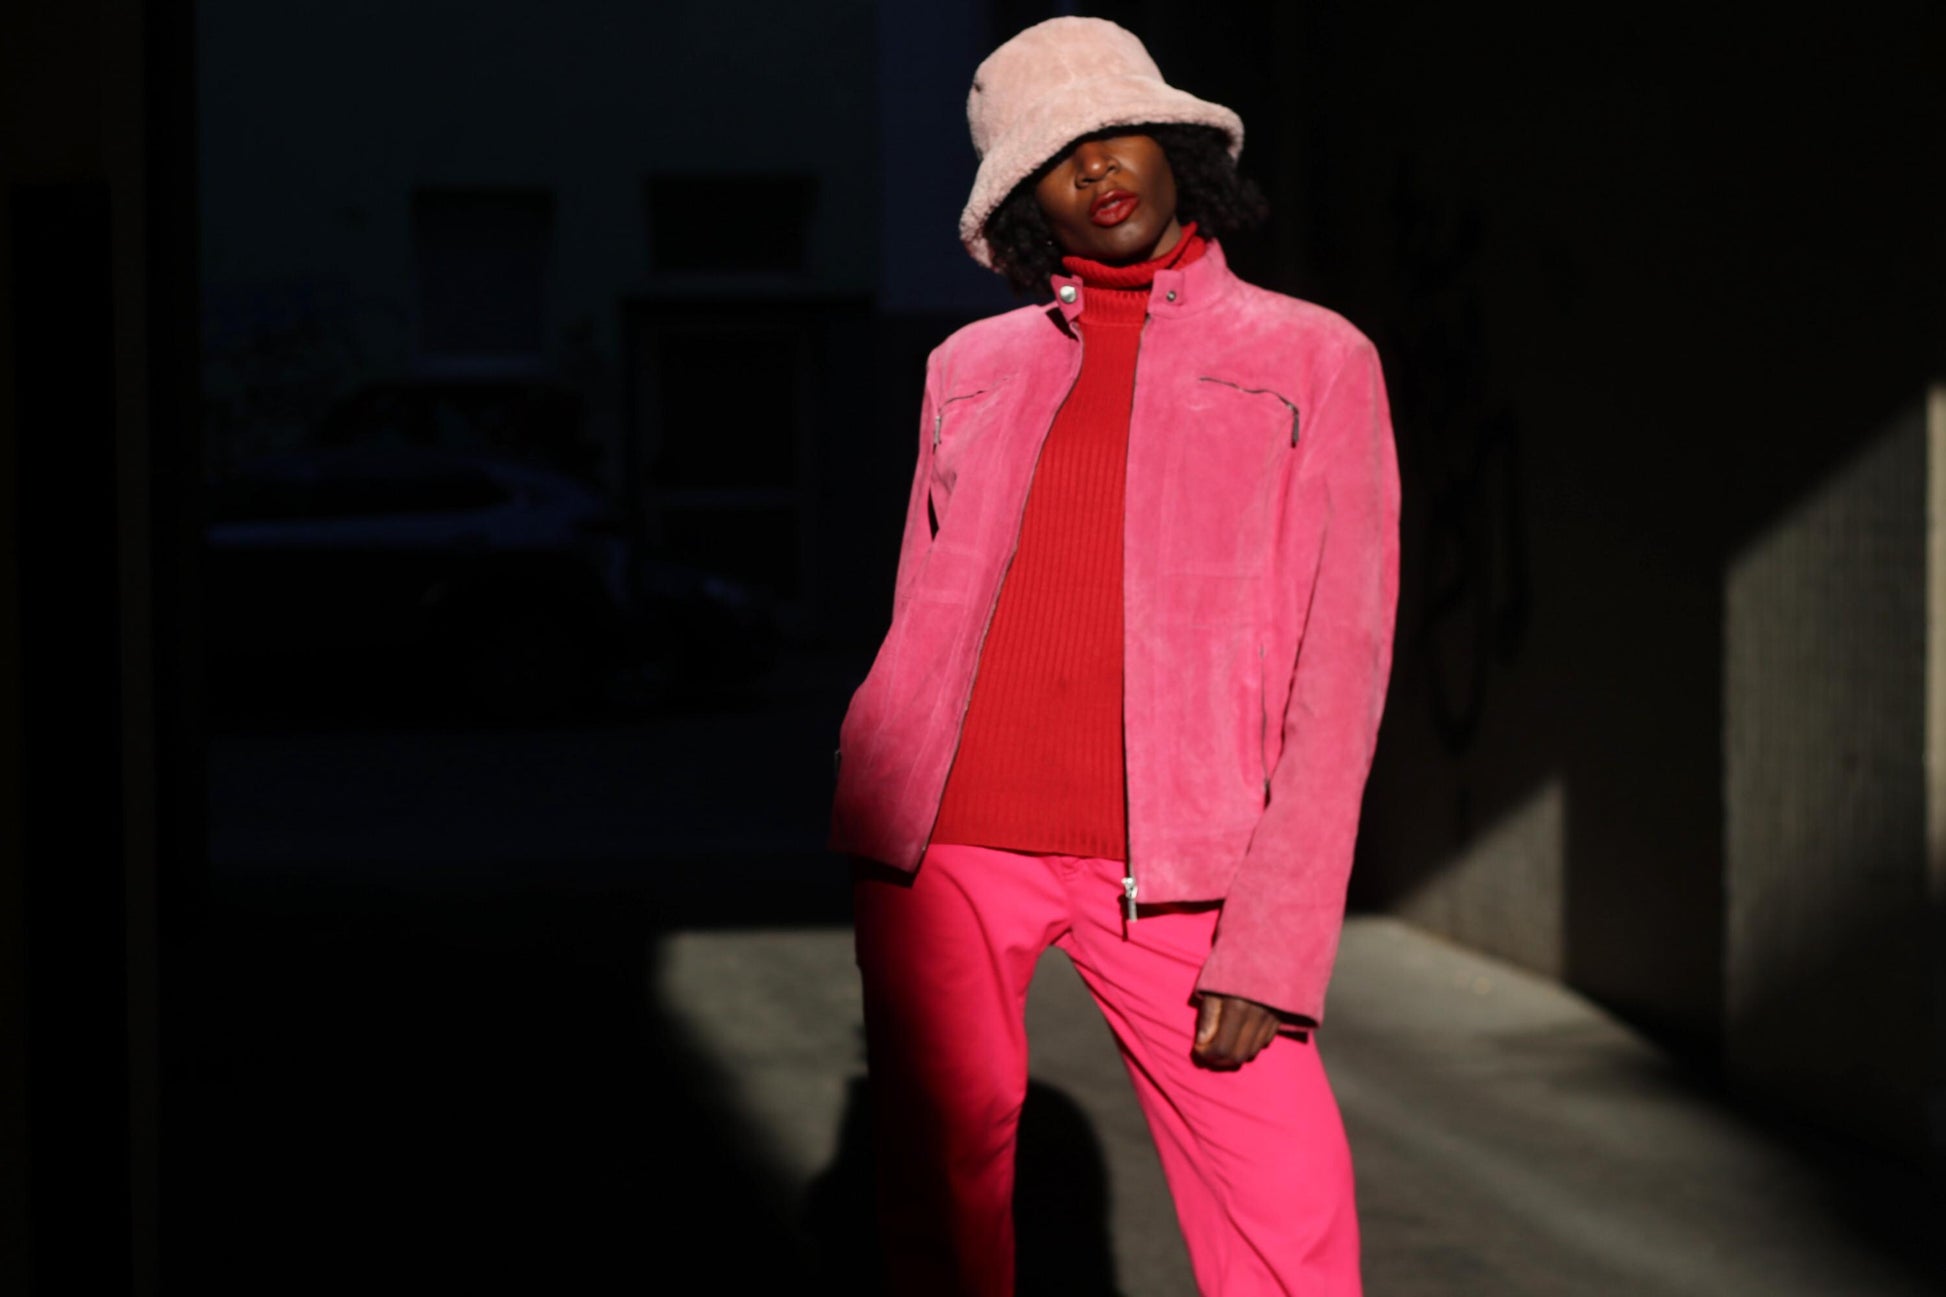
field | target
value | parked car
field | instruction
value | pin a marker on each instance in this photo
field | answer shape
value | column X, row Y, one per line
column 409, row 575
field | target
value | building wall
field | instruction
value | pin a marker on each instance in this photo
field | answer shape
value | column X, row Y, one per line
column 1825, row 699
column 98, row 666
column 1641, row 287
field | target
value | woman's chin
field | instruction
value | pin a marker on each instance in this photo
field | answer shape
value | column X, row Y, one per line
column 1126, row 242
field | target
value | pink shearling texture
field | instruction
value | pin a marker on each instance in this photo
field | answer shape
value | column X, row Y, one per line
column 1053, row 83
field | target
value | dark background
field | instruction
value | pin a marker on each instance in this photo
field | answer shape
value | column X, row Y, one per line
column 311, row 972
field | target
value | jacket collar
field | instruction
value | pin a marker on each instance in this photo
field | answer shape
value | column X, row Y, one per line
column 1195, row 287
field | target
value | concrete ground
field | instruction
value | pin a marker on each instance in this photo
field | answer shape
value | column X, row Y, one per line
column 1509, row 1138
column 553, row 1011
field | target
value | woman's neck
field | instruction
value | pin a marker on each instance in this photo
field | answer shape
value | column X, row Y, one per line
column 1139, row 274
column 1169, row 240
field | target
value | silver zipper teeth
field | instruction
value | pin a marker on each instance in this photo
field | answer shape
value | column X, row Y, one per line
column 1260, row 391
column 1128, row 854
column 994, row 603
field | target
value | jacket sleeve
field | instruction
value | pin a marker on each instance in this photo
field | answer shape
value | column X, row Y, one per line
column 1278, row 935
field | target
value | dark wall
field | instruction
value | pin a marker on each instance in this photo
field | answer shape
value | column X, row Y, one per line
column 1640, row 284
column 99, row 792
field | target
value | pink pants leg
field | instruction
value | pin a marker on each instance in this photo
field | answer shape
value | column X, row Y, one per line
column 1256, row 1158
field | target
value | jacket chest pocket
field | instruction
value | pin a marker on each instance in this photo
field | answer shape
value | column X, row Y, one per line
column 965, row 425
column 1224, row 467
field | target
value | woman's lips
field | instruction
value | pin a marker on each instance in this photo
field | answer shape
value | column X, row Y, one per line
column 1113, row 209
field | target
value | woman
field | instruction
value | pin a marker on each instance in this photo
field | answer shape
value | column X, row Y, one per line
column 1140, row 638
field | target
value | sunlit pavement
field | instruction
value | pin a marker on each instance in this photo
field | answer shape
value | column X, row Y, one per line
column 1509, row 1138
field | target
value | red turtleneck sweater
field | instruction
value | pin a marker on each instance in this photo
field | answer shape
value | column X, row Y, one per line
column 1039, row 764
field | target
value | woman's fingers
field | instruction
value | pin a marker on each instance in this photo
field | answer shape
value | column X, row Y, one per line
column 1230, row 1032
column 1209, row 1017
column 1266, row 1033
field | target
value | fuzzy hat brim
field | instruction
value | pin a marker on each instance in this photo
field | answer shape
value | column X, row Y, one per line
column 1077, row 109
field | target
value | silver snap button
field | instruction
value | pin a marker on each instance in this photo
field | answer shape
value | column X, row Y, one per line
column 1170, row 295
column 1068, row 294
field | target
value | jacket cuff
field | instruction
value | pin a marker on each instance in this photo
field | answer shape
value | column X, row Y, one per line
column 1292, row 1004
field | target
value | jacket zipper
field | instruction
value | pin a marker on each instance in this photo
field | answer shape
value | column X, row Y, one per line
column 966, row 700
column 1260, row 391
column 1129, row 888
column 939, row 415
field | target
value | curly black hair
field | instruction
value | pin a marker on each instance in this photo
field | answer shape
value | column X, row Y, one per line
column 1209, row 191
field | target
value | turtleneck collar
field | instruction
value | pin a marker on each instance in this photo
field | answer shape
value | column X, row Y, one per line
column 1140, row 274
column 1120, row 294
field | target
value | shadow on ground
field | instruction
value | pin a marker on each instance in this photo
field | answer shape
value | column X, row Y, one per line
column 474, row 1092
column 1061, row 1204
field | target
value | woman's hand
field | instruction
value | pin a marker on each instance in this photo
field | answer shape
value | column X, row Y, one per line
column 1231, row 1031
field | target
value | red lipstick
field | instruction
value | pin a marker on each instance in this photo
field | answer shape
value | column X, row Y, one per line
column 1112, row 207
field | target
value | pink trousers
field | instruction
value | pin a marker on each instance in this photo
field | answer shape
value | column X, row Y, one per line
column 1255, row 1158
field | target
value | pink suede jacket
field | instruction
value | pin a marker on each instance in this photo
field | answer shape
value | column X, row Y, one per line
column 1260, row 579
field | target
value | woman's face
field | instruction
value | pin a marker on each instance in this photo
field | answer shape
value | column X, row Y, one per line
column 1112, row 200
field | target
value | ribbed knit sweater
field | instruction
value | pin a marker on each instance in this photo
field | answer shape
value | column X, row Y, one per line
column 1039, row 763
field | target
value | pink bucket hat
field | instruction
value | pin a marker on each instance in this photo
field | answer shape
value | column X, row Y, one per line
column 1054, row 82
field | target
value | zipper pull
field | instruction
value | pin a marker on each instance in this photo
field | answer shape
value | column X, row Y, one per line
column 1128, row 896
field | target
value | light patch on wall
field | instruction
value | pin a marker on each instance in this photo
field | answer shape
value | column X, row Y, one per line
column 1825, row 795
column 1502, row 893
